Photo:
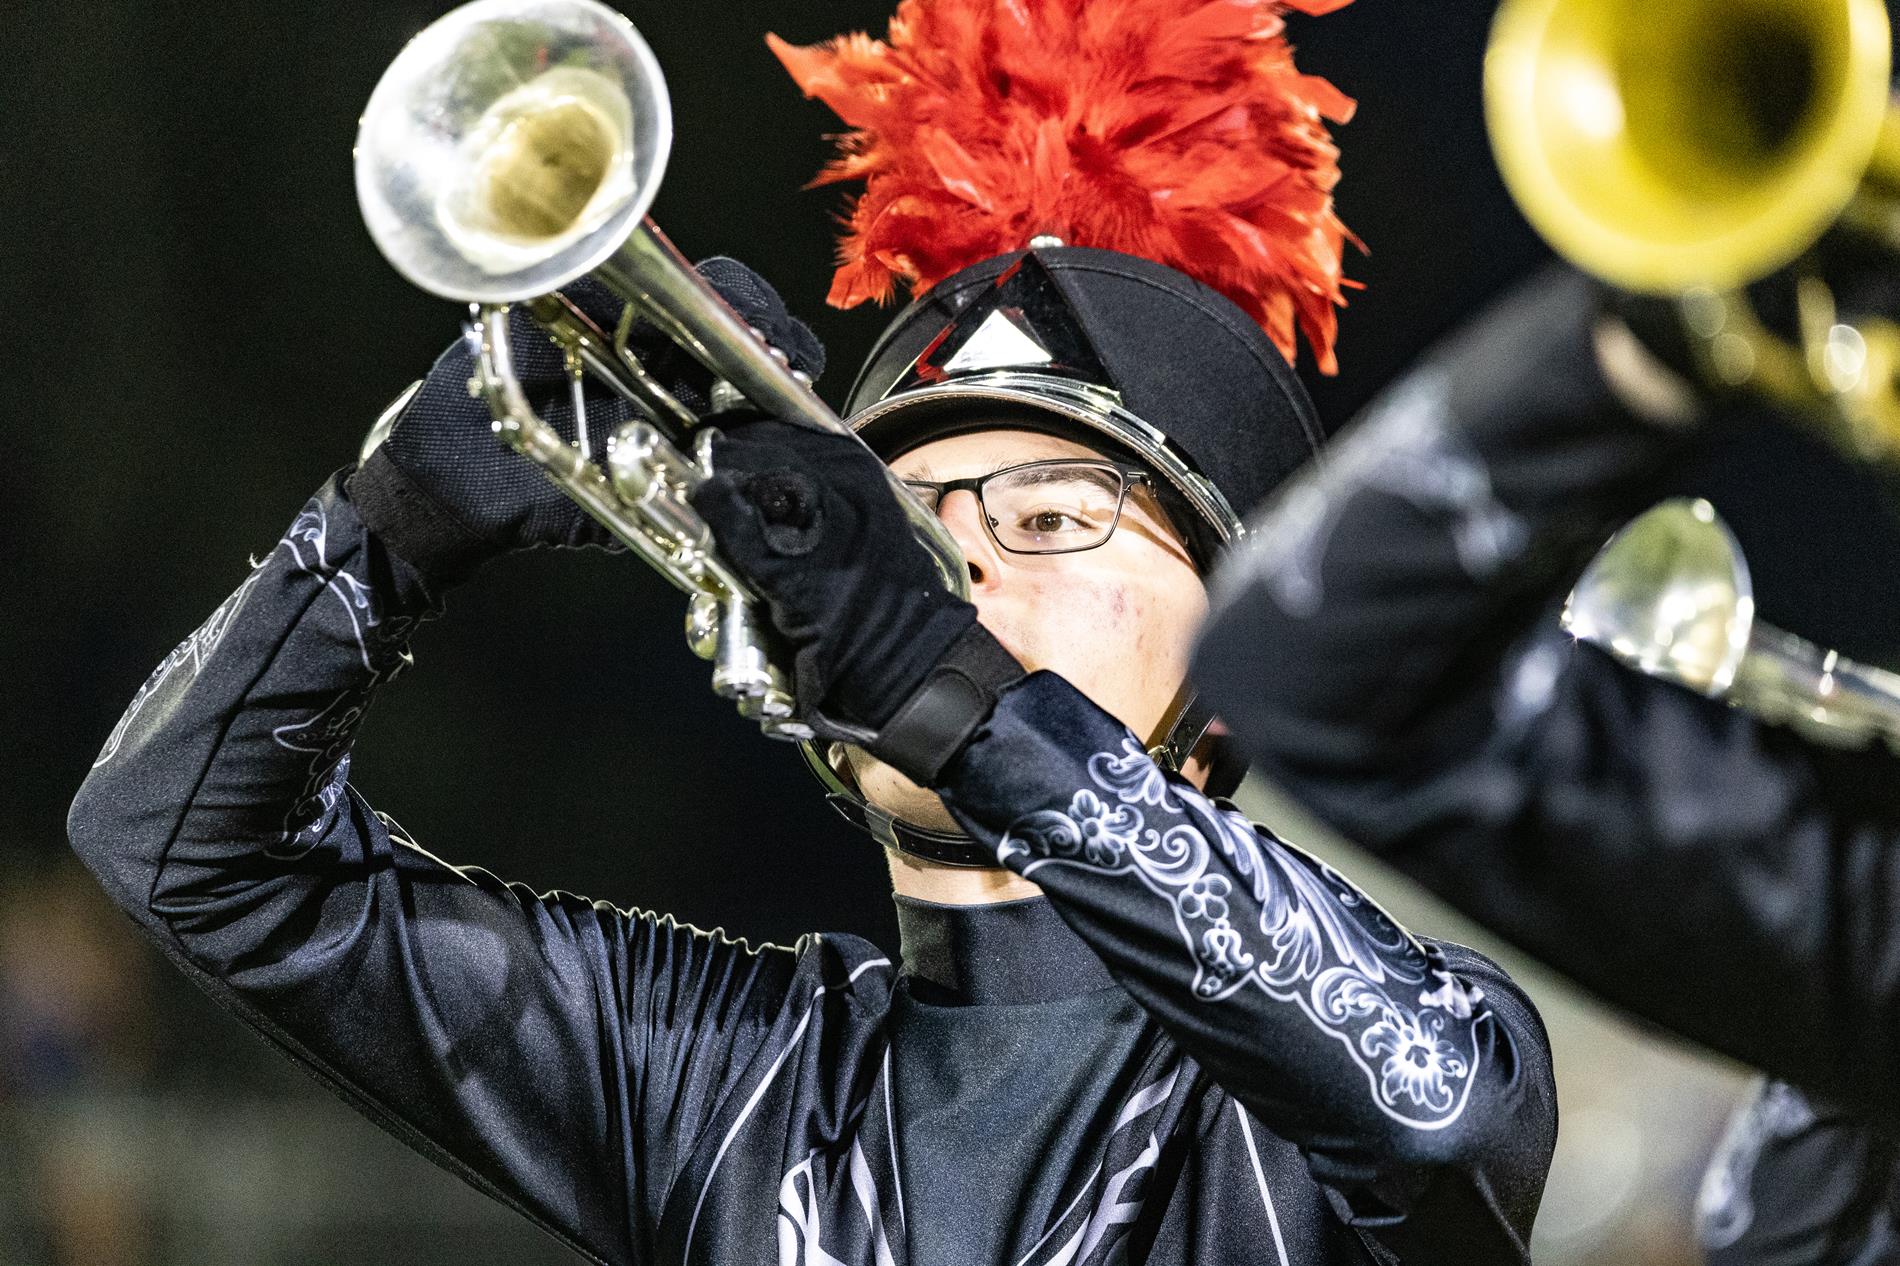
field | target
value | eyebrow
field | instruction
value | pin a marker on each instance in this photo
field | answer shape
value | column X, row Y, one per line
column 924, row 473
column 1094, row 474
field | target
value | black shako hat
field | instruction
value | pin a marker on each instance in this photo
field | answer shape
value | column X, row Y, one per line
column 1193, row 157
column 1110, row 349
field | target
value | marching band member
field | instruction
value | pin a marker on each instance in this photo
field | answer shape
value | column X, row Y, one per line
column 1128, row 1025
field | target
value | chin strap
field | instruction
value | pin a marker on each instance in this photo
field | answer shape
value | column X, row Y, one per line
column 1188, row 722
column 1183, row 727
column 946, row 848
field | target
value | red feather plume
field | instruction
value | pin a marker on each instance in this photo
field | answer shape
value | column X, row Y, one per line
column 1179, row 132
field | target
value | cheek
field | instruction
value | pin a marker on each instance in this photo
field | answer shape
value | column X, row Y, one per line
column 1111, row 633
column 1057, row 617
column 1152, row 620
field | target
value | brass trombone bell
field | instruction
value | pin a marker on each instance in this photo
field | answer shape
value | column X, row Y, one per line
column 1666, row 146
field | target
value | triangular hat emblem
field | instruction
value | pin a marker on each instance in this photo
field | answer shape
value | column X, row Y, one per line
column 1002, row 341
column 1022, row 322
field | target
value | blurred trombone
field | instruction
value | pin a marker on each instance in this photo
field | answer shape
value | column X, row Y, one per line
column 513, row 147
column 1670, row 595
column 1687, row 149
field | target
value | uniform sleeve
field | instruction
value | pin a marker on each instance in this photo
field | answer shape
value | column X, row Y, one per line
column 1794, row 1182
column 1414, row 1077
column 1387, row 649
column 561, row 1055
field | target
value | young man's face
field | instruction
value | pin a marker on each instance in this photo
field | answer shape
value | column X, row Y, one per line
column 1116, row 621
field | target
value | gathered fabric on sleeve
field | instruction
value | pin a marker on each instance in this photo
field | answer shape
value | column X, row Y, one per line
column 560, row 1054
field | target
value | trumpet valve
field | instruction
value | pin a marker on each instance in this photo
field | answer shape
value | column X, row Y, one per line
column 655, row 479
column 702, row 625
column 741, row 669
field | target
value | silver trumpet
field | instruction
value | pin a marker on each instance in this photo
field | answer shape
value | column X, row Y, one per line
column 515, row 146
column 1670, row 596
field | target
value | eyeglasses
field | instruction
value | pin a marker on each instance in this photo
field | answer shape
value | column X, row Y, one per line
column 1047, row 507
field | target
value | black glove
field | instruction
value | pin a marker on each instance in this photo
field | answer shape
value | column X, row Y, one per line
column 445, row 494
column 888, row 657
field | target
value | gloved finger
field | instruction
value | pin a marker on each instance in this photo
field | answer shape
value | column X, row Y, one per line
column 773, row 513
column 753, row 441
column 722, row 503
column 760, row 306
column 751, row 453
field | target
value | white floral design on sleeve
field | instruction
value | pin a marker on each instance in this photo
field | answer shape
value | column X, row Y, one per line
column 1256, row 911
column 380, row 640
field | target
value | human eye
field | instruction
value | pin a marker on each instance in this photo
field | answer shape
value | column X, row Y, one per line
column 1054, row 509
column 1049, row 520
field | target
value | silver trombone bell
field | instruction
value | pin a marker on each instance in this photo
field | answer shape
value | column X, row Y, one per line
column 1670, row 596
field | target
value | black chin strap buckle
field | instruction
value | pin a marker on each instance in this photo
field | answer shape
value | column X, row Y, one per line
column 1190, row 726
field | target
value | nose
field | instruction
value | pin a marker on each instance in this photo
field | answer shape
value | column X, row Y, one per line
column 962, row 513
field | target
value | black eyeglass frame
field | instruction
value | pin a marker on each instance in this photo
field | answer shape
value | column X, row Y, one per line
column 1130, row 477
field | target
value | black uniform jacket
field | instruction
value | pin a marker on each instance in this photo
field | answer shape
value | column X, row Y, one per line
column 1387, row 646
column 1201, row 1046
column 1797, row 1182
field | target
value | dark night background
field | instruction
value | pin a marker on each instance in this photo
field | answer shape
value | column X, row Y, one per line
column 200, row 331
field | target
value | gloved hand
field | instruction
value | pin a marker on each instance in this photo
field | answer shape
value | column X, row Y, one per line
column 888, row 657
column 445, row 494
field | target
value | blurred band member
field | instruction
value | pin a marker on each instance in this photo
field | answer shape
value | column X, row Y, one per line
column 1387, row 647
column 1797, row 1183
column 1128, row 1025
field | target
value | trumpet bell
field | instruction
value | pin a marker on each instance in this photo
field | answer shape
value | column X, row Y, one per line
column 1692, row 143
column 512, row 147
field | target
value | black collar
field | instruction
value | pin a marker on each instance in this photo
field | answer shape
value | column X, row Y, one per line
column 1006, row 953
